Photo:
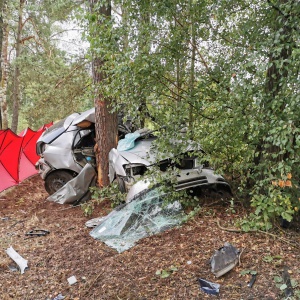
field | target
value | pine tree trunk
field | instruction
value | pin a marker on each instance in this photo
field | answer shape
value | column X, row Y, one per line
column 106, row 122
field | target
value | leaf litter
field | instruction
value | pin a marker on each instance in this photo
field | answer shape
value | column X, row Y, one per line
column 156, row 268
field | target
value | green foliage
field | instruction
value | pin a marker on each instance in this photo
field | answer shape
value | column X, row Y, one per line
column 251, row 272
column 54, row 82
column 229, row 96
column 275, row 259
column 111, row 192
column 283, row 286
column 166, row 273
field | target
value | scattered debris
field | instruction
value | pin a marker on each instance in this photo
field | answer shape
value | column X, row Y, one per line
column 288, row 291
column 72, row 280
column 37, row 232
column 209, row 287
column 252, row 281
column 224, row 259
column 17, row 258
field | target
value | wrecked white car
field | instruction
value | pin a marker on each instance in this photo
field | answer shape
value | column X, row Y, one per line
column 134, row 156
column 65, row 148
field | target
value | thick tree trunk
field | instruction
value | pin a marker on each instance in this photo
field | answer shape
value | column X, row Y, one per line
column 106, row 122
column 275, row 76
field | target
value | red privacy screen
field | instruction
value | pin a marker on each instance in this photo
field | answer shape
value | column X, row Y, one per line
column 18, row 156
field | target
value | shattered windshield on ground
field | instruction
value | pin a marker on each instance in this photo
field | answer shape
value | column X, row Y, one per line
column 145, row 215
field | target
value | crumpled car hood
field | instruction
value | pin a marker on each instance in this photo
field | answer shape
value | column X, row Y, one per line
column 141, row 153
column 88, row 115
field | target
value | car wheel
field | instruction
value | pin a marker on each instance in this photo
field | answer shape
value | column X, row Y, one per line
column 57, row 179
column 121, row 184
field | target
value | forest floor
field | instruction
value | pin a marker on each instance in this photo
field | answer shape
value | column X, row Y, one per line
column 102, row 273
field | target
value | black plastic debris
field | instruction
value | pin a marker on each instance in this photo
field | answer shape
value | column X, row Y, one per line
column 252, row 281
column 209, row 287
column 224, row 259
column 37, row 232
column 287, row 280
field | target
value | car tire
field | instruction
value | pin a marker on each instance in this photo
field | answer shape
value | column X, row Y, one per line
column 121, row 184
column 56, row 180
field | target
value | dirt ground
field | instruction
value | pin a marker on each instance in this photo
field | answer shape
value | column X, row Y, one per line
column 102, row 273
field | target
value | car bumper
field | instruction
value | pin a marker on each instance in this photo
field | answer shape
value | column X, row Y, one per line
column 199, row 177
column 188, row 179
column 43, row 168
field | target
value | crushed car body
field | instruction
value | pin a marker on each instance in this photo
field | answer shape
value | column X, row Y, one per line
column 65, row 148
column 127, row 166
column 77, row 190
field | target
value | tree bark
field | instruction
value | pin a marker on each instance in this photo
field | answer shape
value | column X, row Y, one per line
column 1, row 42
column 4, row 65
column 16, row 79
column 106, row 122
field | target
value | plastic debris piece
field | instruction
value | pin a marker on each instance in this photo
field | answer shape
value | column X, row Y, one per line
column 59, row 297
column 72, row 280
column 252, row 281
column 224, row 259
column 209, row 287
column 37, row 232
column 17, row 258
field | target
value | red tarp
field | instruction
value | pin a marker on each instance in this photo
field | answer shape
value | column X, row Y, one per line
column 18, row 155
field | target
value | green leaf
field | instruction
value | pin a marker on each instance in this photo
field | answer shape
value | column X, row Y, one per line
column 165, row 274
column 268, row 258
column 173, row 269
column 283, row 287
column 244, row 272
column 278, row 279
column 294, row 283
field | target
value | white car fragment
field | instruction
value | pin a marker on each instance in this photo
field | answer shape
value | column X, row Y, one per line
column 17, row 258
